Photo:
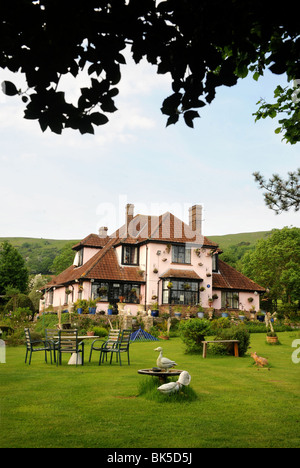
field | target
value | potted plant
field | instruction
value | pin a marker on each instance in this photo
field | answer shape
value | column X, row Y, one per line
column 81, row 306
column 241, row 315
column 210, row 301
column 260, row 316
column 155, row 270
column 92, row 306
column 225, row 314
column 110, row 309
column 90, row 332
column 165, row 329
column 200, row 312
column 177, row 311
column 154, row 309
column 102, row 291
column 272, row 338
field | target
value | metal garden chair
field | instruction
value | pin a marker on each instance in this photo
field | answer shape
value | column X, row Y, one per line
column 122, row 346
column 109, row 342
column 31, row 346
column 68, row 343
column 50, row 333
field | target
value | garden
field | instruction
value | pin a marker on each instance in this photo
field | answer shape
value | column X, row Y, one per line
column 230, row 402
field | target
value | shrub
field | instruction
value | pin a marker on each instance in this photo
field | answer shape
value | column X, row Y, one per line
column 287, row 311
column 220, row 323
column 193, row 332
column 19, row 300
column 100, row 331
column 236, row 332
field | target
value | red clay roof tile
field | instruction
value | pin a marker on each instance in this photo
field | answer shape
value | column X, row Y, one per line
column 229, row 278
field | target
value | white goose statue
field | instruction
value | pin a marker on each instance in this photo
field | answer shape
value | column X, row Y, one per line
column 172, row 387
column 163, row 362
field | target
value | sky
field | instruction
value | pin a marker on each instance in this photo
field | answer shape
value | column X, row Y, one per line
column 68, row 186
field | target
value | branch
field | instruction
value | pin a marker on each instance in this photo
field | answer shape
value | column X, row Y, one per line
column 281, row 195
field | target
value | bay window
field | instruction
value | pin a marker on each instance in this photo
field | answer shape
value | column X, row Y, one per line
column 113, row 291
column 180, row 291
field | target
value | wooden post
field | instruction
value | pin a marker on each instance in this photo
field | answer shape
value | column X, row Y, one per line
column 236, row 349
column 204, row 349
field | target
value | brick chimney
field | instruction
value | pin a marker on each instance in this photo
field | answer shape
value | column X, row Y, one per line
column 103, row 232
column 129, row 214
column 195, row 218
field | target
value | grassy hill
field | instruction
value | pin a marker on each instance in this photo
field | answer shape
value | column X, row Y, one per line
column 39, row 254
column 228, row 240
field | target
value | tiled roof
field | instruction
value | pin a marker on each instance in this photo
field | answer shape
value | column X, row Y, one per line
column 229, row 278
column 164, row 228
column 92, row 240
column 182, row 274
column 103, row 265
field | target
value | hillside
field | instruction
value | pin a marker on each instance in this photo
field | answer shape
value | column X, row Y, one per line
column 249, row 238
column 40, row 253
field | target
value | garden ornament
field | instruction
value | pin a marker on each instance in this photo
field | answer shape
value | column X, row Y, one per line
column 259, row 361
column 163, row 362
column 172, row 387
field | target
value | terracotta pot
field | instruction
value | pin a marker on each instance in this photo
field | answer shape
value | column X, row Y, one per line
column 90, row 333
column 272, row 339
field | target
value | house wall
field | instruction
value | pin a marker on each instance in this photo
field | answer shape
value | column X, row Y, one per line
column 163, row 262
column 244, row 304
column 88, row 253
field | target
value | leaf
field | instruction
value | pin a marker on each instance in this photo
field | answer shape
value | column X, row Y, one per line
column 9, row 88
column 189, row 116
column 278, row 130
column 173, row 119
column 98, row 119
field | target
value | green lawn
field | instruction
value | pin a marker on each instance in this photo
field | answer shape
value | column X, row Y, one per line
column 237, row 405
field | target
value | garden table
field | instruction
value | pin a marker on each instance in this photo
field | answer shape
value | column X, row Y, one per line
column 72, row 360
column 236, row 348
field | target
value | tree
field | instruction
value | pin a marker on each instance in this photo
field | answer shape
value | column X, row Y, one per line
column 64, row 259
column 202, row 44
column 281, row 195
column 275, row 264
column 13, row 272
column 35, row 285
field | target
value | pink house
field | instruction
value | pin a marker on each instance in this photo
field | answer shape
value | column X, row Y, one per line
column 152, row 259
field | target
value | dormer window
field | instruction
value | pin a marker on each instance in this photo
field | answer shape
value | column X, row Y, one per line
column 215, row 267
column 80, row 257
column 130, row 255
column 78, row 260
